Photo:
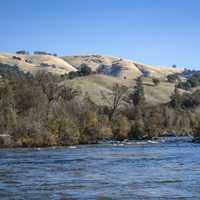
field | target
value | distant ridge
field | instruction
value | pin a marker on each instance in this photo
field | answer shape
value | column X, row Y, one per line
column 112, row 66
column 126, row 68
column 35, row 63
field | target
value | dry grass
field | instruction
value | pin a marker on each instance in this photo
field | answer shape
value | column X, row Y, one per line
column 94, row 85
column 129, row 69
column 158, row 94
column 32, row 63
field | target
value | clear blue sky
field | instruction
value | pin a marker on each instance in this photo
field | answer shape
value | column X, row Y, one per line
column 161, row 32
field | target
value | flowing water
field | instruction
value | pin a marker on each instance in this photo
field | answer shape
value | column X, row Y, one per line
column 133, row 170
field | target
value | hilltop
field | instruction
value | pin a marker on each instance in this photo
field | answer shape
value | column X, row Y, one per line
column 120, row 67
column 112, row 66
column 35, row 63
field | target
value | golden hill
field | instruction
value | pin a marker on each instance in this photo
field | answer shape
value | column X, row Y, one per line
column 112, row 66
column 121, row 71
column 34, row 63
column 122, row 68
column 96, row 85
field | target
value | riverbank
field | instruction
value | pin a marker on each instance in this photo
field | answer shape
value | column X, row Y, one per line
column 108, row 142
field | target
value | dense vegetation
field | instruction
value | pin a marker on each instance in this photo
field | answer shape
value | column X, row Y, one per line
column 41, row 111
column 193, row 81
column 83, row 70
column 24, row 52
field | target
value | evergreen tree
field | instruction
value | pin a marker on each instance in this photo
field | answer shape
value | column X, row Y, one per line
column 176, row 99
column 7, row 108
column 137, row 97
column 84, row 70
column 138, row 100
column 136, row 130
column 196, row 130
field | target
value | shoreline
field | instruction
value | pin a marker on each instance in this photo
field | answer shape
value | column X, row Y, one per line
column 108, row 142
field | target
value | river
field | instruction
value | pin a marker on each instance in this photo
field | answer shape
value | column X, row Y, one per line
column 166, row 169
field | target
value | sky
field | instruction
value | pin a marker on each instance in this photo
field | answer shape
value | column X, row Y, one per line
column 158, row 32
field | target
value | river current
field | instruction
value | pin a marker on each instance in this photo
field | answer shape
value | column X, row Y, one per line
column 163, row 169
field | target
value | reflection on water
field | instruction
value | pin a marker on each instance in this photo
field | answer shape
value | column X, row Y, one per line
column 135, row 170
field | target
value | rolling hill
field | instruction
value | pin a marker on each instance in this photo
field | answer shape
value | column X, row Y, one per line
column 97, row 86
column 35, row 63
column 108, row 71
column 112, row 66
column 119, row 67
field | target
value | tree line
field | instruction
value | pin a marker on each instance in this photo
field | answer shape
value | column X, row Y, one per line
column 41, row 111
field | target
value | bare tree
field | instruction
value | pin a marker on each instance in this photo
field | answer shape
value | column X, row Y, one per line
column 118, row 98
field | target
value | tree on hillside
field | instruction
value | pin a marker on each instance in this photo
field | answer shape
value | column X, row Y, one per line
column 174, row 66
column 62, row 125
column 84, row 70
column 196, row 130
column 48, row 84
column 173, row 78
column 68, row 93
column 155, row 81
column 27, row 96
column 138, row 100
column 88, row 127
column 152, row 122
column 138, row 95
column 119, row 97
column 176, row 99
column 24, row 52
column 72, row 75
column 120, row 127
column 136, row 130
column 7, row 108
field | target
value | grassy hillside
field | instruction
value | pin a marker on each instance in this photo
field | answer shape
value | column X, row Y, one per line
column 112, row 66
column 94, row 85
column 120, row 68
column 35, row 63
column 127, row 68
column 157, row 93
column 122, row 71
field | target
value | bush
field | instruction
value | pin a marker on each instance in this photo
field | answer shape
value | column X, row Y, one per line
column 88, row 127
column 184, row 85
column 65, row 130
column 16, row 58
column 72, row 75
column 174, row 66
column 62, row 125
column 193, row 81
column 23, row 52
column 104, row 127
column 136, row 130
column 120, row 127
column 7, row 108
column 84, row 70
column 196, row 129
column 173, row 78
column 156, row 81
column 185, row 100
